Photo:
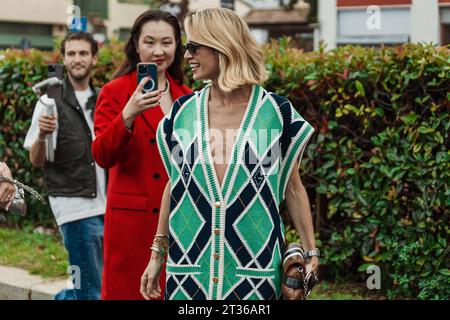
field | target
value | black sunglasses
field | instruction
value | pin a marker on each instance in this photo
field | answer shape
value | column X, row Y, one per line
column 191, row 47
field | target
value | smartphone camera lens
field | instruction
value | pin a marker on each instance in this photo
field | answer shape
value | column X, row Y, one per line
column 51, row 68
column 143, row 69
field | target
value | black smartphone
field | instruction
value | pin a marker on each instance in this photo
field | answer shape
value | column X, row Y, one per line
column 55, row 70
column 148, row 69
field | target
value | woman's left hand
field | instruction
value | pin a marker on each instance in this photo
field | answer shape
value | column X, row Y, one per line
column 312, row 264
column 7, row 189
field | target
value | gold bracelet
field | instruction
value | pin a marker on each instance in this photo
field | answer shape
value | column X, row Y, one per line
column 158, row 250
column 160, row 235
column 161, row 243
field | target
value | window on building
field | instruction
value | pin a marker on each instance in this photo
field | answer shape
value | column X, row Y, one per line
column 356, row 26
column 445, row 30
column 93, row 8
column 261, row 35
column 149, row 2
column 26, row 35
column 445, row 25
column 124, row 34
column 265, row 4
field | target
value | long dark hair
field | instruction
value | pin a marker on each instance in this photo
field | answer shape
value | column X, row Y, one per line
column 132, row 59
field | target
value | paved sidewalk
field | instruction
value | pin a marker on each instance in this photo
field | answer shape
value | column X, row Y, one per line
column 18, row 284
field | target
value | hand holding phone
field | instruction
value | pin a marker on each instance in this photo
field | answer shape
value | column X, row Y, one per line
column 146, row 95
column 55, row 70
column 148, row 70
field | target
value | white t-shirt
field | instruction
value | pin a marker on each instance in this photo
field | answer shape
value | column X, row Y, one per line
column 67, row 209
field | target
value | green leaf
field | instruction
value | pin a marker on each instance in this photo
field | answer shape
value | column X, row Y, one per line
column 425, row 273
column 361, row 199
column 442, row 156
column 410, row 118
column 425, row 130
column 438, row 137
column 360, row 88
column 364, row 266
column 425, row 99
column 444, row 272
column 396, row 96
column 328, row 164
column 375, row 160
column 379, row 112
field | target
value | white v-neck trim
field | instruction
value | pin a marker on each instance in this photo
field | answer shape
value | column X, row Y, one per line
column 205, row 109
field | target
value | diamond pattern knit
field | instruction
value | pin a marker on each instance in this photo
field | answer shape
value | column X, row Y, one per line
column 226, row 242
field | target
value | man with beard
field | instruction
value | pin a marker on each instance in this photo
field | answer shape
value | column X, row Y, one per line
column 75, row 183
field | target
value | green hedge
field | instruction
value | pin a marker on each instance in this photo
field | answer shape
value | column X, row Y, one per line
column 379, row 166
column 377, row 170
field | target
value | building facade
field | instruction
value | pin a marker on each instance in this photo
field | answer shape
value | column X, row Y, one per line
column 35, row 23
column 376, row 22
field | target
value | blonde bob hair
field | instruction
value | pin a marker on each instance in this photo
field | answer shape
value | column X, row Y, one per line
column 241, row 61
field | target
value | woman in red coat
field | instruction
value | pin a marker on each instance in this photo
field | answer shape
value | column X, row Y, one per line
column 125, row 123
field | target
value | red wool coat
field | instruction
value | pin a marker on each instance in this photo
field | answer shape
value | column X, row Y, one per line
column 136, row 183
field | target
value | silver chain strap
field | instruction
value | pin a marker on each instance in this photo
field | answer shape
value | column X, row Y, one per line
column 30, row 190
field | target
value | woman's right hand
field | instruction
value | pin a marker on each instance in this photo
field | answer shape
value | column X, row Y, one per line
column 150, row 288
column 139, row 102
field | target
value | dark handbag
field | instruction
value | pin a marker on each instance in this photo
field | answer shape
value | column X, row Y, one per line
column 297, row 284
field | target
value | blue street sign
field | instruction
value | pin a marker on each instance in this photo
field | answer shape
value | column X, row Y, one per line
column 79, row 24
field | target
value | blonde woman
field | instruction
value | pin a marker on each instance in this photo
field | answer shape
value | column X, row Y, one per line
column 231, row 151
